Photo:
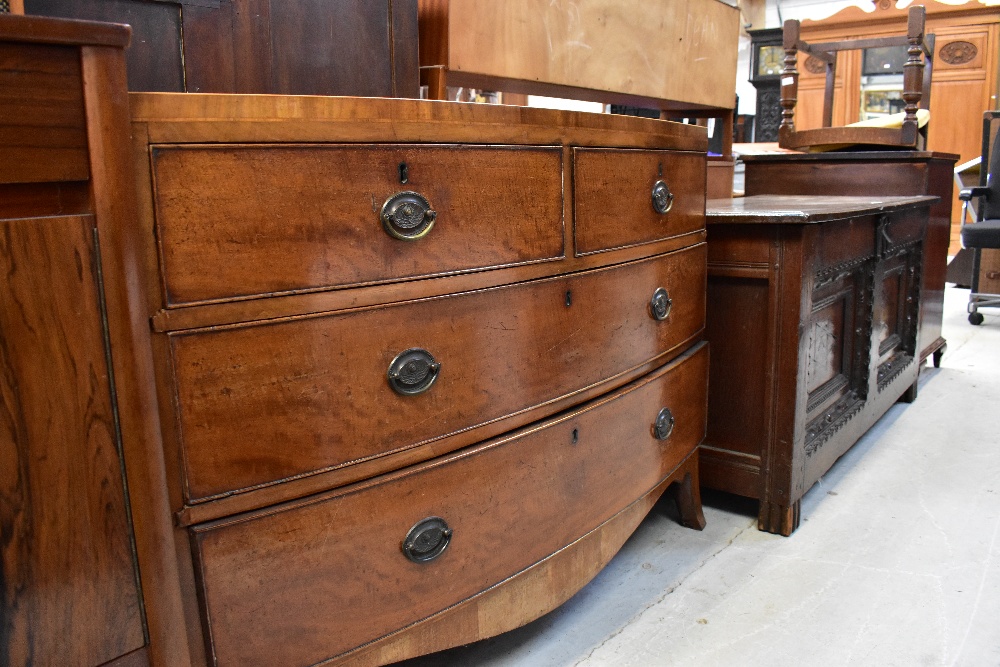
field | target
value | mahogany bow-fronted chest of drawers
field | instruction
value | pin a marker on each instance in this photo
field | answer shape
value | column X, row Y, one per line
column 421, row 367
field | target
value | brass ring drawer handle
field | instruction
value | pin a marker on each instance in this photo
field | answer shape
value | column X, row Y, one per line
column 663, row 198
column 427, row 540
column 664, row 424
column 407, row 216
column 660, row 304
column 413, row 372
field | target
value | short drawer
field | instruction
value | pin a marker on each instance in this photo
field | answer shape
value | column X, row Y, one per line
column 241, row 221
column 285, row 586
column 901, row 228
column 630, row 197
column 266, row 402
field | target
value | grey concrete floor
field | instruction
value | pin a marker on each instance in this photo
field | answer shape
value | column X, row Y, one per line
column 897, row 560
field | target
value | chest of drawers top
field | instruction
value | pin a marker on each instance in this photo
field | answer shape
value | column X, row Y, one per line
column 198, row 118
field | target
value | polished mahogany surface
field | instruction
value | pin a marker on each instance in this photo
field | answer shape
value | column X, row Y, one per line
column 69, row 590
column 70, row 594
column 606, row 220
column 510, row 502
column 813, row 307
column 504, row 353
column 327, row 360
column 312, row 230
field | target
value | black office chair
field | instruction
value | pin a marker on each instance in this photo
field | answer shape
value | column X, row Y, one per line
column 985, row 232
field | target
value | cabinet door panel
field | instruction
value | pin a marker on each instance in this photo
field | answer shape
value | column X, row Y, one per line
column 835, row 359
column 68, row 594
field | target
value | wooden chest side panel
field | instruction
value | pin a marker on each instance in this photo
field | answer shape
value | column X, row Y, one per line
column 242, row 221
column 313, row 392
column 613, row 196
column 285, row 586
column 68, row 594
column 738, row 330
column 42, row 123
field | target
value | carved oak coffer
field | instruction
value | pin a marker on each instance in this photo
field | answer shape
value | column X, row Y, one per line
column 813, row 314
column 422, row 367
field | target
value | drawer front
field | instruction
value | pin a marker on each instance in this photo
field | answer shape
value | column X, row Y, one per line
column 315, row 393
column 284, row 586
column 614, row 203
column 900, row 229
column 239, row 221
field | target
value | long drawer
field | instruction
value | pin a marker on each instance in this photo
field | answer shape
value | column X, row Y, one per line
column 264, row 403
column 301, row 583
column 630, row 197
column 243, row 221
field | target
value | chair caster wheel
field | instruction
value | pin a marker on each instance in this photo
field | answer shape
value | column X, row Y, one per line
column 976, row 318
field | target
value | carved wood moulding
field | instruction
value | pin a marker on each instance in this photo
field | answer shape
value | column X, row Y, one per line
column 815, row 65
column 958, row 52
column 883, row 10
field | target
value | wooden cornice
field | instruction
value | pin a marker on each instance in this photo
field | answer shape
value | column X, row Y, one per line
column 888, row 11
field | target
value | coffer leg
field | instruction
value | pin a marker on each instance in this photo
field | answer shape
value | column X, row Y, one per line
column 938, row 353
column 779, row 519
column 910, row 394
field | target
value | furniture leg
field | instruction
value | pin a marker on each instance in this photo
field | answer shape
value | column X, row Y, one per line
column 910, row 394
column 779, row 519
column 687, row 495
column 938, row 353
column 437, row 83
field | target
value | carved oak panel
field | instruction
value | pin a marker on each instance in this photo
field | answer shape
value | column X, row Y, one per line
column 837, row 352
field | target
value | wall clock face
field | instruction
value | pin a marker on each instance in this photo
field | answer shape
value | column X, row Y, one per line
column 770, row 60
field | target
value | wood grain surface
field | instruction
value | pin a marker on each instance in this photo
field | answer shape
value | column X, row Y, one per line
column 281, row 219
column 791, row 209
column 688, row 49
column 511, row 502
column 313, row 391
column 38, row 30
column 613, row 197
column 524, row 597
column 42, row 125
column 194, row 118
column 155, row 56
column 69, row 593
column 297, row 47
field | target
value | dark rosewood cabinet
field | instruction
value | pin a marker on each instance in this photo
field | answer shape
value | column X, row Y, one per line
column 69, row 587
column 813, row 321
column 300, row 47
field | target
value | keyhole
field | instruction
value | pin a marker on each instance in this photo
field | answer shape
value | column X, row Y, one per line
column 576, row 436
column 404, row 172
column 659, row 169
column 569, row 299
